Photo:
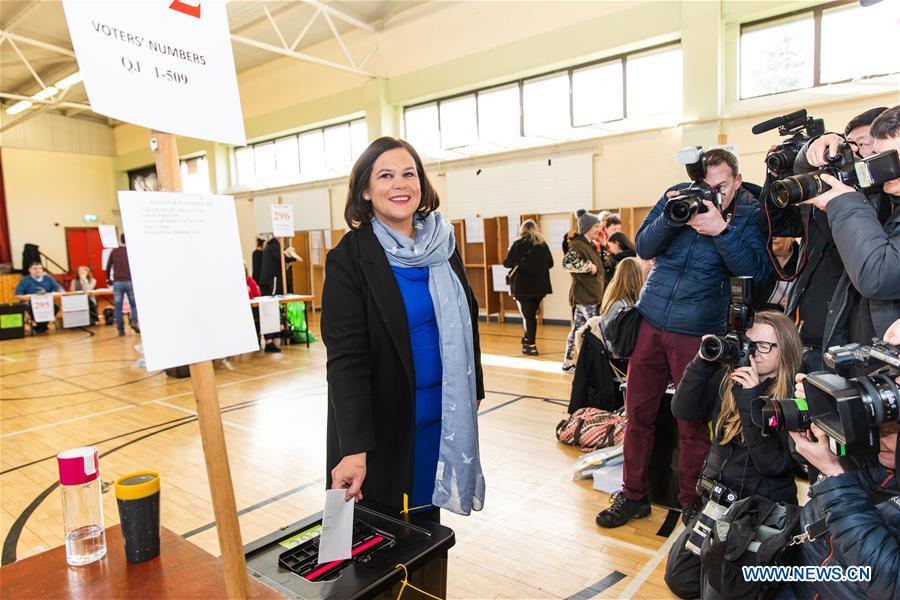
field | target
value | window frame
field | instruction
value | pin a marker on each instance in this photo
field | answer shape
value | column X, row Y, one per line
column 816, row 13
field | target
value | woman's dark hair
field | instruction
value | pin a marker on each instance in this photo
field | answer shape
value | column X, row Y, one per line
column 622, row 240
column 358, row 210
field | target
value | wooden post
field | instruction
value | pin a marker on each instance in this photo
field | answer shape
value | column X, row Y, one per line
column 283, row 267
column 203, row 381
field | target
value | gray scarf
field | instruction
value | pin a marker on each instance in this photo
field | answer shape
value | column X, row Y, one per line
column 459, row 482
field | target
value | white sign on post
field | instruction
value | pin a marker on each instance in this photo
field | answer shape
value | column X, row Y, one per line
column 108, row 236
column 163, row 228
column 282, row 220
column 42, row 308
column 163, row 65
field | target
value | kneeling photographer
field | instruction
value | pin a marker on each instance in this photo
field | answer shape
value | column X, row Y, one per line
column 721, row 385
column 864, row 222
column 853, row 516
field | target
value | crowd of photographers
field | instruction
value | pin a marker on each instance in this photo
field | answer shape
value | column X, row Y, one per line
column 761, row 395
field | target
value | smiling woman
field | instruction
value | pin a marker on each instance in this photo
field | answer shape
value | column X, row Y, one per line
column 400, row 324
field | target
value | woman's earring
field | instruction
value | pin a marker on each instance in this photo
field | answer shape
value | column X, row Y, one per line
column 366, row 198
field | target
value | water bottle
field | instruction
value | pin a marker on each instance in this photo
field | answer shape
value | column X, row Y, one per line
column 79, row 480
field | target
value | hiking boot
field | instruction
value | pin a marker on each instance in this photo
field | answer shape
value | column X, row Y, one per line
column 530, row 349
column 272, row 348
column 623, row 509
column 689, row 512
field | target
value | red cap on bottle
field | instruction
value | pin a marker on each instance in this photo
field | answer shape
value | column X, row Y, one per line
column 78, row 465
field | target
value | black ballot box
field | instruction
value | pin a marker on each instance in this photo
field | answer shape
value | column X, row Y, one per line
column 287, row 560
column 12, row 321
column 663, row 468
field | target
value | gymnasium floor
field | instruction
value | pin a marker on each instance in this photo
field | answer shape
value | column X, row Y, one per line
column 535, row 538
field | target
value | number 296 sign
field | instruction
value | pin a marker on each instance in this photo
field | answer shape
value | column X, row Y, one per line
column 282, row 220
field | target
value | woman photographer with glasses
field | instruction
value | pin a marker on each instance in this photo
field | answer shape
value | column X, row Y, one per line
column 741, row 458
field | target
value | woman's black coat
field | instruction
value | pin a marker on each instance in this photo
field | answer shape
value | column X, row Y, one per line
column 270, row 270
column 532, row 278
column 370, row 371
column 755, row 465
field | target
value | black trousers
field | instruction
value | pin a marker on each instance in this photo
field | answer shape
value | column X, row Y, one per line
column 684, row 572
column 528, row 307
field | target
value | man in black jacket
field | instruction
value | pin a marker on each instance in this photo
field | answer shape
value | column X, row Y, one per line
column 866, row 233
column 807, row 302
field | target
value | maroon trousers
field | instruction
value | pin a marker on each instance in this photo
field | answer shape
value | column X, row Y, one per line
column 657, row 356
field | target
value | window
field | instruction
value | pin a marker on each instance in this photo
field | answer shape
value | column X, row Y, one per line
column 825, row 45
column 194, row 177
column 317, row 154
column 545, row 105
column 498, row 115
column 565, row 104
column 597, row 94
column 459, row 122
column 654, row 83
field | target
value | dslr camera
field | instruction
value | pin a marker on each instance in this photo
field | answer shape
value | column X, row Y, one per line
column 734, row 349
column 849, row 410
column 720, row 499
column 798, row 128
column 689, row 201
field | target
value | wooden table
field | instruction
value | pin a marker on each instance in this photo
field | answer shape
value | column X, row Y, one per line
column 182, row 570
column 99, row 292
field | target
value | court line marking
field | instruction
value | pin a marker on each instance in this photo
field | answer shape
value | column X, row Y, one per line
column 121, row 408
column 194, row 413
column 651, row 564
column 592, row 591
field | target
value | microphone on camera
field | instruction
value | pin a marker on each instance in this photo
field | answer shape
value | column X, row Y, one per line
column 778, row 121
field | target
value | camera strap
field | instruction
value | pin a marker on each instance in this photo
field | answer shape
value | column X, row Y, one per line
column 810, row 533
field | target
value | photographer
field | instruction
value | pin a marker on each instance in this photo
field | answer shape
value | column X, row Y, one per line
column 820, row 277
column 686, row 294
column 866, row 232
column 741, row 458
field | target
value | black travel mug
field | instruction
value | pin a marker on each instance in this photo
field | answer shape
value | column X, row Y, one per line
column 137, row 495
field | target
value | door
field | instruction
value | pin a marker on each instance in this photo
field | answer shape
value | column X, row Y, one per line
column 84, row 248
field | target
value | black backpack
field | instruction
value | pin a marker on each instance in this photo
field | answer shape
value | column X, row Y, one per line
column 754, row 532
column 621, row 331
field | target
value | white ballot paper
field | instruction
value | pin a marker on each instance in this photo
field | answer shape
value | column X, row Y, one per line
column 337, row 527
column 187, row 315
column 42, row 308
column 498, row 275
column 269, row 317
column 108, row 237
column 165, row 65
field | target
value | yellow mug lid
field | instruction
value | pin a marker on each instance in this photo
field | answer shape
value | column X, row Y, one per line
column 135, row 486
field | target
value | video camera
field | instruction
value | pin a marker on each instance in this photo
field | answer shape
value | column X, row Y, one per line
column 689, row 201
column 733, row 348
column 849, row 410
column 789, row 188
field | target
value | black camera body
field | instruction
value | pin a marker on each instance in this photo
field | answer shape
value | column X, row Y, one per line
column 850, row 410
column 733, row 348
column 798, row 128
column 689, row 201
column 720, row 499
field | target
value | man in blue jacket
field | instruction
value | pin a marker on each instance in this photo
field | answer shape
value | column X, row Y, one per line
column 685, row 297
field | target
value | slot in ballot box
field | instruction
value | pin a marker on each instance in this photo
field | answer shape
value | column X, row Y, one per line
column 286, row 560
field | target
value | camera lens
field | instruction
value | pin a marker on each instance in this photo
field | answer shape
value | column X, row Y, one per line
column 784, row 415
column 780, row 161
column 679, row 210
column 798, row 188
column 723, row 349
column 882, row 394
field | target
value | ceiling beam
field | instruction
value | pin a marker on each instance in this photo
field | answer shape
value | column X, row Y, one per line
column 299, row 55
column 38, row 43
column 338, row 14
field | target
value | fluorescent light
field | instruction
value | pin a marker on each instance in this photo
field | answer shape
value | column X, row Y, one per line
column 67, row 82
column 18, row 107
column 45, row 93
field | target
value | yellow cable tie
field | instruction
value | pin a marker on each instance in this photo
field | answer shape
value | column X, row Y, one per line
column 405, row 584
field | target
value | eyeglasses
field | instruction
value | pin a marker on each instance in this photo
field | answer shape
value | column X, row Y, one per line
column 764, row 347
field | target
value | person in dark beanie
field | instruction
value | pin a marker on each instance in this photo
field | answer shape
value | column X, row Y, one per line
column 583, row 263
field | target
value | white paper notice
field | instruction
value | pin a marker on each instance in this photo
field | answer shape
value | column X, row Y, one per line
column 336, row 542
column 498, row 275
column 108, row 237
column 42, row 308
column 74, row 303
column 163, row 228
column 75, row 310
column 269, row 317
column 513, row 222
column 282, row 220
column 474, row 230
column 163, row 65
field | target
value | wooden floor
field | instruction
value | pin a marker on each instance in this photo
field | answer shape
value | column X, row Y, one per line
column 535, row 538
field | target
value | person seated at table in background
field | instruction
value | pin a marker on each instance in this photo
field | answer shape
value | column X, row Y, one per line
column 253, row 292
column 37, row 282
column 86, row 282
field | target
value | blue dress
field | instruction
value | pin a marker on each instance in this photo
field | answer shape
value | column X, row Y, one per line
column 424, row 340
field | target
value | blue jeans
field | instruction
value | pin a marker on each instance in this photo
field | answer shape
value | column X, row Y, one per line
column 120, row 288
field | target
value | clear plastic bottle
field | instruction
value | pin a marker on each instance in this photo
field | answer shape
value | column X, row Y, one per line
column 79, row 481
